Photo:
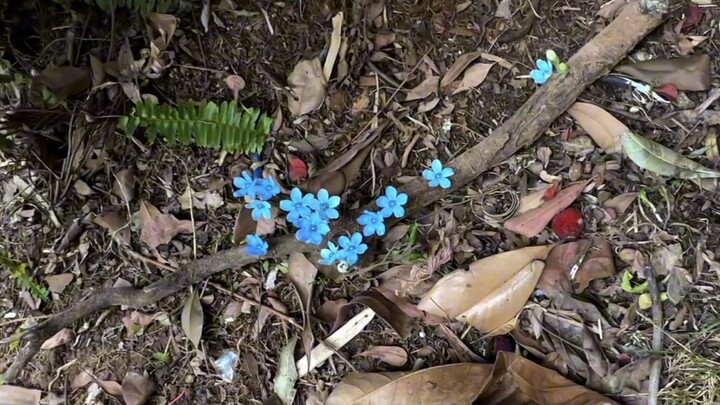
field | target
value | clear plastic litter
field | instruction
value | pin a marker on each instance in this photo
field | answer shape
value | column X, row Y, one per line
column 225, row 365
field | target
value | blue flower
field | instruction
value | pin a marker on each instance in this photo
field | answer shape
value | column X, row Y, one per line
column 352, row 247
column 543, row 72
column 372, row 222
column 392, row 203
column 331, row 254
column 261, row 209
column 312, row 229
column 266, row 189
column 298, row 206
column 325, row 205
column 437, row 176
column 244, row 185
column 255, row 245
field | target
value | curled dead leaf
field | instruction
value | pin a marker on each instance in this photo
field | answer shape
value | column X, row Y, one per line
column 492, row 292
column 392, row 355
column 571, row 267
column 308, row 85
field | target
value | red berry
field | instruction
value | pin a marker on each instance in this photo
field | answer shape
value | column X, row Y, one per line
column 568, row 223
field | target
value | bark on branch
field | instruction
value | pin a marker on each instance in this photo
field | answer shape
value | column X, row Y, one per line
column 593, row 60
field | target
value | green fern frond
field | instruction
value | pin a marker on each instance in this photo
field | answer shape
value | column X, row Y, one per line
column 227, row 126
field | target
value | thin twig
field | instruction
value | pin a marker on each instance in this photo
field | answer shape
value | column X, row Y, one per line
column 657, row 339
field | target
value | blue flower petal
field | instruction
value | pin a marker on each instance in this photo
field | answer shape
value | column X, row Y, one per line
column 538, row 77
column 436, row 166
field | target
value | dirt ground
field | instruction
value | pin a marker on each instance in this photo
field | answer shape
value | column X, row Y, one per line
column 51, row 228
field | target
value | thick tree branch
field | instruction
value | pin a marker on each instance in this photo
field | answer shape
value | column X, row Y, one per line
column 525, row 126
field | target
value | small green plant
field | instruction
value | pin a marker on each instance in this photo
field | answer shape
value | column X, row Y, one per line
column 226, row 126
column 19, row 272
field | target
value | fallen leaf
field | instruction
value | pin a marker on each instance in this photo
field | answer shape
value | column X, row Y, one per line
column 463, row 352
column 406, row 279
column 665, row 258
column 602, row 127
column 135, row 322
column 630, row 376
column 594, row 353
column 611, row 9
column 301, row 273
column 512, row 379
column 424, row 89
column 532, row 222
column 144, row 215
column 679, row 282
column 329, row 312
column 165, row 25
column 137, row 389
column 392, row 355
column 115, row 225
column 383, row 39
column 81, row 379
column 124, row 185
column 334, row 48
column 12, row 395
column 428, row 105
column 205, row 15
column 621, row 203
column 460, row 64
column 232, row 311
column 693, row 16
column 308, row 85
column 534, row 199
column 63, row 337
column 244, row 225
column 82, row 188
column 235, row 83
column 374, row 10
column 657, row 158
column 287, row 374
column 162, row 229
column 58, row 282
column 266, row 226
column 503, row 10
column 690, row 73
column 592, row 259
column 111, row 387
column 191, row 319
column 493, row 290
column 339, row 174
column 474, row 76
column 64, row 81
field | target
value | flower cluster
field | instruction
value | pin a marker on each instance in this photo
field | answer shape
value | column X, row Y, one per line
column 311, row 214
column 257, row 190
column 545, row 67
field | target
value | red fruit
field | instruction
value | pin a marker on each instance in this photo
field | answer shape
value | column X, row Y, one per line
column 297, row 169
column 568, row 223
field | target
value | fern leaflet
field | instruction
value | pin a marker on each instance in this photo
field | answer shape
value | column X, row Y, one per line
column 225, row 126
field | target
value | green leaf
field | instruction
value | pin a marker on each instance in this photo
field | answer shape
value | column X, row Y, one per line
column 664, row 161
column 162, row 356
column 628, row 285
column 191, row 319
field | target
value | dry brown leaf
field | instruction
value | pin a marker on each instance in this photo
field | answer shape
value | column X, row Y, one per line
column 458, row 67
column 334, row 48
column 406, row 279
column 533, row 222
column 688, row 73
column 12, row 395
column 63, row 337
column 111, row 387
column 383, row 39
column 602, row 127
column 266, row 226
column 511, row 380
column 330, row 312
column 620, row 203
column 500, row 61
column 137, row 389
column 534, row 199
column 115, row 225
column 474, row 76
column 424, row 89
column 145, row 214
column 593, row 258
column 594, row 353
column 244, row 225
column 301, row 273
column 163, row 228
column 339, row 174
column 393, row 311
column 124, row 185
column 165, row 25
column 392, row 355
column 58, row 282
column 463, row 352
column 493, row 290
column 232, row 311
column 307, row 83
column 374, row 10
column 81, row 379
column 192, row 319
column 64, row 81
column 82, row 188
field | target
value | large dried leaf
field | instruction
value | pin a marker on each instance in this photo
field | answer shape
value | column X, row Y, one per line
column 65, row 81
column 165, row 25
column 458, row 67
column 532, row 222
column 307, row 83
column 58, row 282
column 12, row 395
column 688, row 73
column 244, row 225
column 137, row 389
column 302, row 274
column 191, row 319
column 392, row 355
column 424, row 89
column 492, row 292
column 163, row 228
column 63, row 337
column 602, row 127
column 474, row 76
column 287, row 374
column 661, row 160
column 339, row 174
column 590, row 260
column 511, row 380
column 124, row 185
column 115, row 225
